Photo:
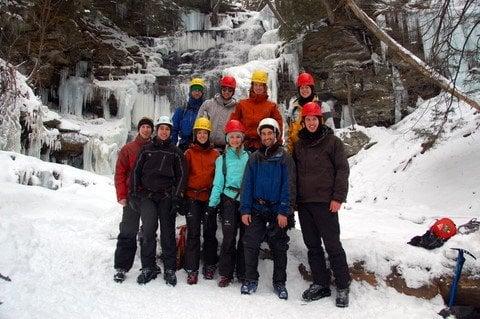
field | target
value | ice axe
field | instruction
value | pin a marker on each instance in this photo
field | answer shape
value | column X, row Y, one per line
column 459, row 312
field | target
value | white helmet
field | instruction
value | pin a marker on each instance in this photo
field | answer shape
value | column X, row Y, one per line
column 269, row 122
column 163, row 120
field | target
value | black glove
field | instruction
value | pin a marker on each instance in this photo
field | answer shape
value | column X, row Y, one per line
column 179, row 205
column 211, row 211
column 133, row 201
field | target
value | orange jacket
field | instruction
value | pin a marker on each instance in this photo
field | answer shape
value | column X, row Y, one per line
column 201, row 170
column 250, row 112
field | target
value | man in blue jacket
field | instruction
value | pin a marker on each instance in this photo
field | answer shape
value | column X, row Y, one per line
column 184, row 117
column 267, row 200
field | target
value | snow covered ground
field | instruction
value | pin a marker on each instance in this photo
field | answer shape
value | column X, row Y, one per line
column 57, row 236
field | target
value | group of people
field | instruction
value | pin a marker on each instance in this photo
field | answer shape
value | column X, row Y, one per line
column 223, row 158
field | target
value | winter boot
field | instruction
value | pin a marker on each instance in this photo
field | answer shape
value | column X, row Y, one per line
column 146, row 275
column 316, row 292
column 170, row 277
column 157, row 269
column 119, row 276
column 192, row 277
column 224, row 281
column 342, row 297
column 249, row 287
column 209, row 272
column 280, row 290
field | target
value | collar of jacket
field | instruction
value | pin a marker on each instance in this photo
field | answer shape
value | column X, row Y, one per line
column 161, row 143
column 226, row 103
column 258, row 98
column 201, row 147
column 141, row 141
column 240, row 152
column 314, row 138
column 194, row 104
column 272, row 151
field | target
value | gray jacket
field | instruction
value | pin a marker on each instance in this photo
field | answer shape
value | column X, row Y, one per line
column 218, row 111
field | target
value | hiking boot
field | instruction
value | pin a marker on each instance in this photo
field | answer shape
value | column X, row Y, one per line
column 192, row 277
column 224, row 281
column 209, row 272
column 119, row 276
column 342, row 298
column 249, row 287
column 316, row 292
column 146, row 275
column 170, row 277
column 157, row 269
column 281, row 291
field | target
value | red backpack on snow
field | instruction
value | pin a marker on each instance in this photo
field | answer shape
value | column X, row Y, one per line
column 444, row 228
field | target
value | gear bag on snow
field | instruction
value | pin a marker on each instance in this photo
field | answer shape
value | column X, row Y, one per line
column 436, row 236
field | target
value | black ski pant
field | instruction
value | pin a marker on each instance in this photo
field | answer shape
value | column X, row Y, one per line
column 196, row 216
column 153, row 210
column 127, row 239
column 265, row 225
column 232, row 256
column 319, row 224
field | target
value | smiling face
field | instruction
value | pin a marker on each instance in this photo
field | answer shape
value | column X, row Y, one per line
column 305, row 91
column 196, row 94
column 145, row 131
column 163, row 132
column 311, row 123
column 227, row 92
column 259, row 88
column 202, row 136
column 268, row 136
column 235, row 139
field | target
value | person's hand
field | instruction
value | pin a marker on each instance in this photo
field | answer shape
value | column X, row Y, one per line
column 282, row 220
column 178, row 205
column 123, row 202
column 335, row 206
column 247, row 219
column 211, row 211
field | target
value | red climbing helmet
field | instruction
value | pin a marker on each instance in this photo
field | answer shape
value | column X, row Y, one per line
column 311, row 109
column 228, row 81
column 234, row 126
column 305, row 79
column 444, row 228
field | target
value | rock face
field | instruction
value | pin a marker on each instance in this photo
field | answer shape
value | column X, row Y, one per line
column 343, row 65
column 354, row 141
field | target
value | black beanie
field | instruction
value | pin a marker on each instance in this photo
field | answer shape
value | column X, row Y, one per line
column 145, row 120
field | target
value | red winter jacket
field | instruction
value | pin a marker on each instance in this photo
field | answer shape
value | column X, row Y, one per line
column 125, row 165
column 250, row 112
column 201, row 170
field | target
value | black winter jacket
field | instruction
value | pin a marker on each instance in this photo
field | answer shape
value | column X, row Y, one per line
column 160, row 167
column 322, row 167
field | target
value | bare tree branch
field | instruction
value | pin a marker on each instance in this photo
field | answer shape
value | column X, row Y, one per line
column 410, row 58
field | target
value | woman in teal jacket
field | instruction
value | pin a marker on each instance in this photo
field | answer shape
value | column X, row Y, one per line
column 226, row 191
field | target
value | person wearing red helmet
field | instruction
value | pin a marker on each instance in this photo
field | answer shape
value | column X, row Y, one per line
column 225, row 194
column 306, row 94
column 218, row 110
column 322, row 187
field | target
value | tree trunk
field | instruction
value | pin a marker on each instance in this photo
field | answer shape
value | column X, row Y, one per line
column 410, row 58
column 275, row 12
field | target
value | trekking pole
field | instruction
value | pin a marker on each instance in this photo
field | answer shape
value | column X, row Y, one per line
column 457, row 275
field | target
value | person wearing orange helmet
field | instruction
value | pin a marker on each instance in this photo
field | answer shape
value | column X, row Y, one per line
column 306, row 93
column 200, row 158
column 322, row 187
column 225, row 194
column 218, row 110
column 255, row 108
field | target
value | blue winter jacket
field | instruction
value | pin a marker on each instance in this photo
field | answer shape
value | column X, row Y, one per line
column 183, row 120
column 269, row 178
column 234, row 175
